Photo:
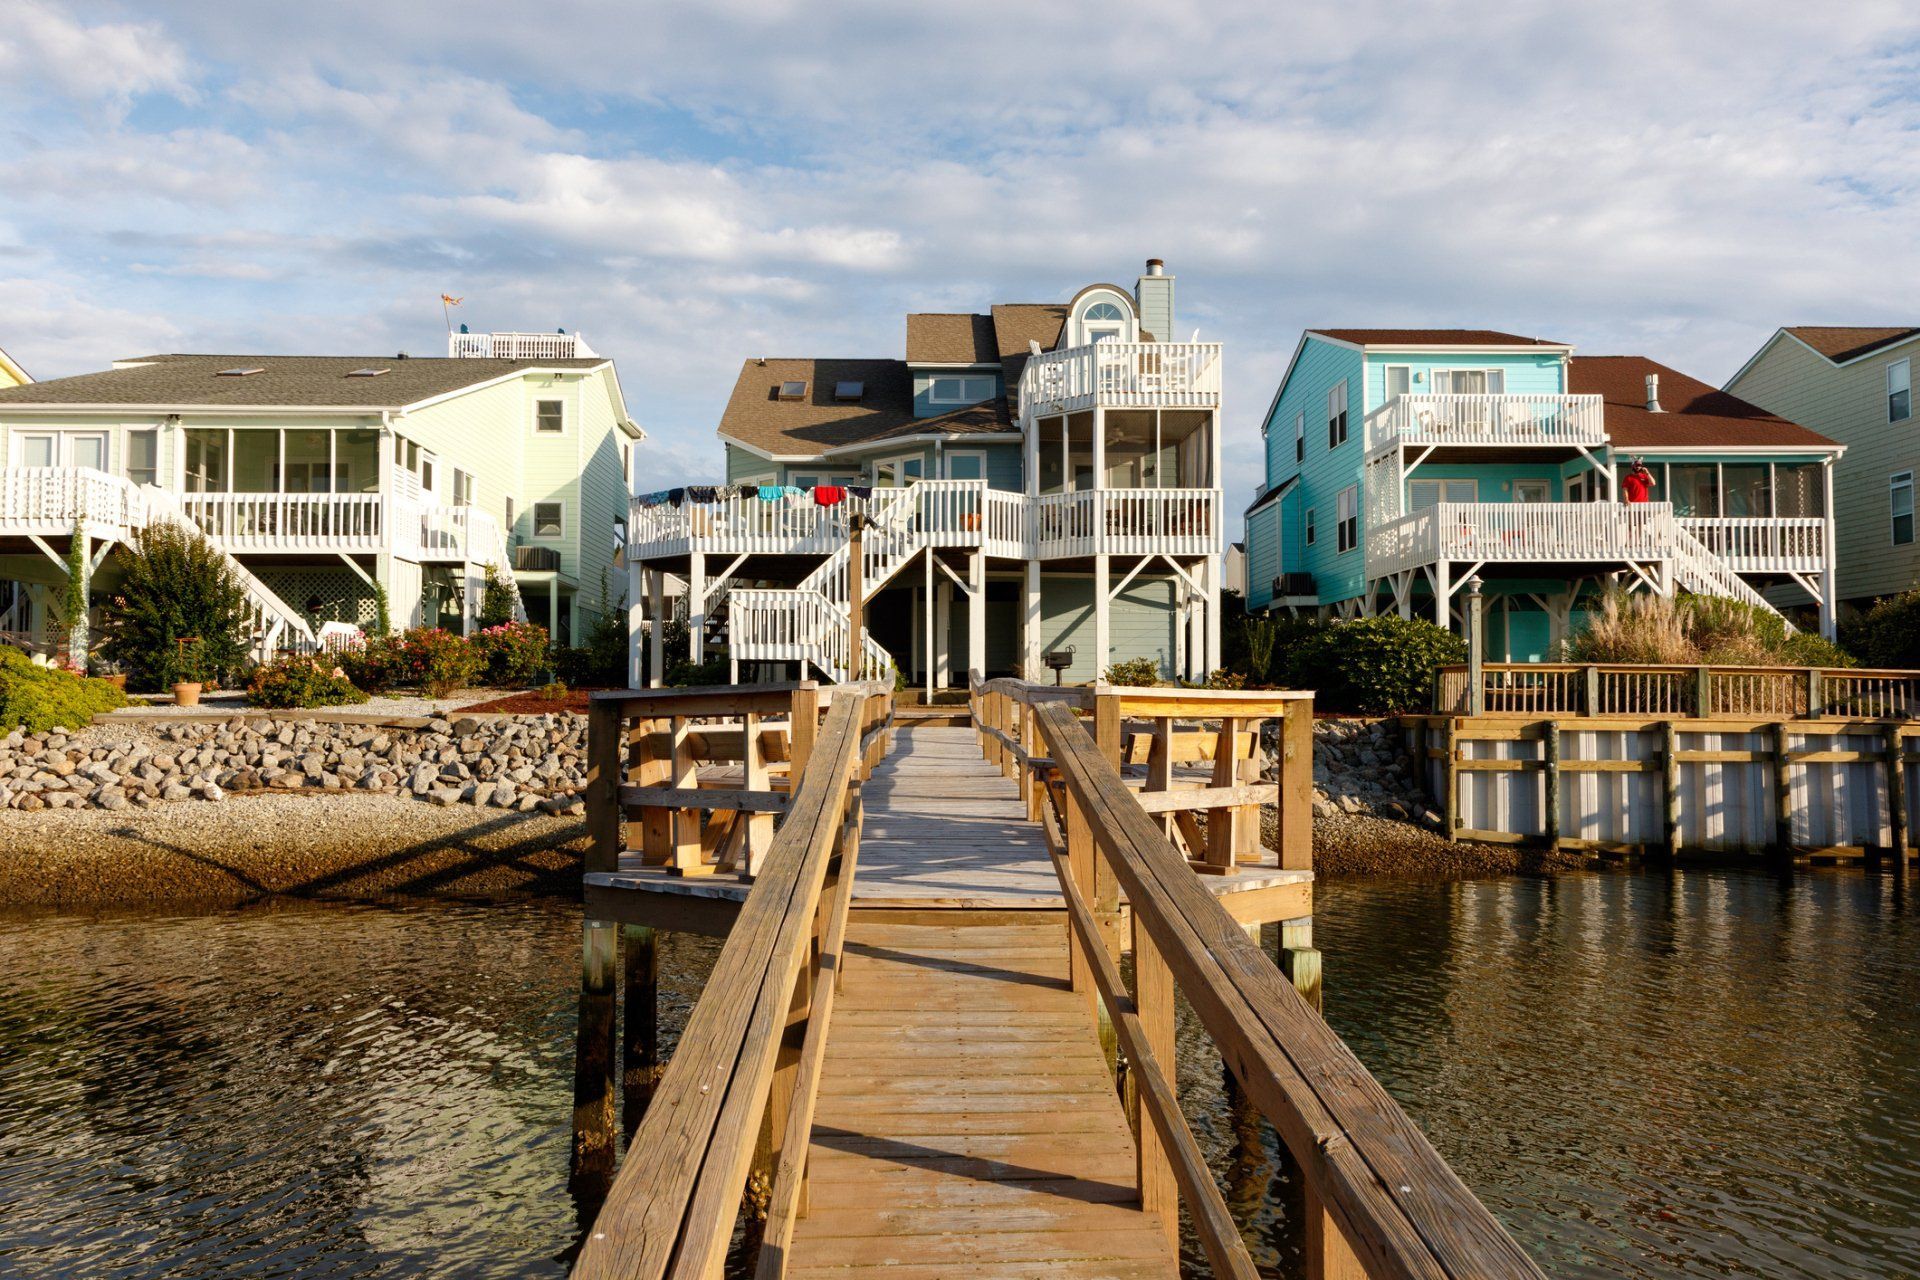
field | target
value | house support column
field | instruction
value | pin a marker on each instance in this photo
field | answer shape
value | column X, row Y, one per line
column 1211, row 603
column 1442, row 597
column 553, row 610
column 1032, row 669
column 943, row 631
column 657, row 627
column 697, row 606
column 977, row 616
column 1196, row 629
column 927, row 614
column 1829, row 577
column 636, row 624
column 1102, row 616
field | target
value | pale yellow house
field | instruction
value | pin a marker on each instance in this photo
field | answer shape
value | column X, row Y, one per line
column 1854, row 385
column 320, row 476
column 11, row 374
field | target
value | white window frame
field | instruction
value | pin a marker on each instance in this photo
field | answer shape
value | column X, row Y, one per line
column 1348, row 511
column 542, row 431
column 1307, row 525
column 1905, row 371
column 1443, row 492
column 462, row 493
column 52, row 439
column 429, row 472
column 814, row 479
column 1546, row 486
column 1386, row 381
column 1337, row 421
column 1492, row 374
column 1087, row 332
column 151, row 433
column 1899, row 482
column 898, row 461
column 933, row 385
column 533, row 516
column 946, row 463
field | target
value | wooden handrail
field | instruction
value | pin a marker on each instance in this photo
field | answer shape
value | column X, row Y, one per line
column 673, row 1203
column 1396, row 1205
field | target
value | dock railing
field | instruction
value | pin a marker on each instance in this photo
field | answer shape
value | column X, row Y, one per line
column 747, row 1067
column 1609, row 689
column 1380, row 1200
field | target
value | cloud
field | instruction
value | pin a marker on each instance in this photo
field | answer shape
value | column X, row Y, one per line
column 108, row 64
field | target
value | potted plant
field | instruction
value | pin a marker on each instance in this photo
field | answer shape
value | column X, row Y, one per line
column 110, row 671
column 187, row 672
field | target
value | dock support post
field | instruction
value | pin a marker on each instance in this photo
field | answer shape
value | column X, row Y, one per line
column 1550, row 747
column 1782, row 795
column 1897, row 797
column 639, row 1025
column 1329, row 1256
column 1450, row 779
column 591, row 1171
column 1670, row 786
column 1299, row 960
column 1153, row 995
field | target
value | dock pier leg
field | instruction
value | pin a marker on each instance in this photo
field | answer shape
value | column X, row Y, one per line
column 639, row 1025
column 1299, row 960
column 594, row 1148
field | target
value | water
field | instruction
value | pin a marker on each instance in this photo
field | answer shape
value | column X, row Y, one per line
column 1712, row 1074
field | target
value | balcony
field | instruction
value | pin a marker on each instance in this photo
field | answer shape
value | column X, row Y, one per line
column 1521, row 532
column 1530, row 421
column 519, row 346
column 459, row 534
column 49, row 500
column 1766, row 545
column 1122, row 375
column 1174, row 522
column 315, row 523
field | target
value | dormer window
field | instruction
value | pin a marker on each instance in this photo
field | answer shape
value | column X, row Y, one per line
column 795, row 390
column 960, row 389
column 849, row 390
column 1101, row 314
column 1105, row 322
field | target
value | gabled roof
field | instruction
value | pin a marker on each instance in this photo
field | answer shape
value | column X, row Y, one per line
column 11, row 367
column 195, row 381
column 1016, row 324
column 949, row 338
column 1841, row 343
column 1696, row 415
column 819, row 423
column 1433, row 338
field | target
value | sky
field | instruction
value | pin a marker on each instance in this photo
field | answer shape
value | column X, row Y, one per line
column 692, row 185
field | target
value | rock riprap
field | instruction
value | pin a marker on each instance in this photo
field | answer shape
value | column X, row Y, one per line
column 505, row 762
column 1361, row 768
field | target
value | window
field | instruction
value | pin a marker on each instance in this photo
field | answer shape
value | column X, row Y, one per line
column 428, row 468
column 794, row 390
column 1900, row 497
column 619, row 535
column 1309, row 526
column 849, row 390
column 966, row 466
column 1104, row 322
column 36, row 451
column 549, row 417
column 1899, row 391
column 1348, row 534
column 1300, row 436
column 1422, row 494
column 143, row 456
column 1695, row 488
column 1746, row 489
column 960, row 389
column 512, row 514
column 309, row 477
column 1470, row 382
column 1399, row 380
column 462, row 495
column 1337, row 415
column 549, row 519
column 1533, row 491
column 89, row 451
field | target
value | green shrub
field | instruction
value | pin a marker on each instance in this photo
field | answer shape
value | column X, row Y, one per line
column 175, row 587
column 377, row 665
column 1888, row 634
column 305, row 680
column 1134, row 673
column 1811, row 649
column 496, row 600
column 1684, row 630
column 38, row 698
column 511, row 653
column 692, row 675
column 553, row 691
column 606, row 641
column 1371, row 666
column 1260, row 635
column 438, row 661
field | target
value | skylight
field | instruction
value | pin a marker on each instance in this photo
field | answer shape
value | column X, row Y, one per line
column 240, row 372
column 368, row 373
column 792, row 390
column 849, row 390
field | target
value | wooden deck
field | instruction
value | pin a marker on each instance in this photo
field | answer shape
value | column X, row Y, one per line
column 967, row 1123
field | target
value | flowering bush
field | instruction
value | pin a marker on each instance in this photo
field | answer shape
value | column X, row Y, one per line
column 305, row 680
column 377, row 665
column 511, row 653
column 439, row 661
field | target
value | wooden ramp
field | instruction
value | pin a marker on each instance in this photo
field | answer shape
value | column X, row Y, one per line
column 967, row 1124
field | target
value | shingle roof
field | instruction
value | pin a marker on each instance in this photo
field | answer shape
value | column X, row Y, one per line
column 950, row 338
column 1840, row 343
column 817, row 422
column 283, row 381
column 1015, row 324
column 1434, row 337
column 1695, row 413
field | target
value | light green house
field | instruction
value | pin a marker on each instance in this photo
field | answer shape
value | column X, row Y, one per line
column 319, row 476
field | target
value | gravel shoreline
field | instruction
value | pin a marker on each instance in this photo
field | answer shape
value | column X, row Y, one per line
column 317, row 845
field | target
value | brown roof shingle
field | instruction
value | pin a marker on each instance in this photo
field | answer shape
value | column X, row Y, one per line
column 283, row 381
column 950, row 338
column 1695, row 413
column 817, row 422
column 1840, row 343
column 1434, row 337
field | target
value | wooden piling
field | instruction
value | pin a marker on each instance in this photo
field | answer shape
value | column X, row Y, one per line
column 1670, row 787
column 1300, row 959
column 1897, row 795
column 639, row 1024
column 1153, row 996
column 1551, row 749
column 1295, row 838
column 1450, row 779
column 594, row 1147
column 1782, row 794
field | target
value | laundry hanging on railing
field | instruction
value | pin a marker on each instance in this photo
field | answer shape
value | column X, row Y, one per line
column 770, row 492
column 703, row 492
column 828, row 495
column 860, row 492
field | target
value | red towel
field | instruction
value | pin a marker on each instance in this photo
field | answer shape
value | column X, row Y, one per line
column 828, row 494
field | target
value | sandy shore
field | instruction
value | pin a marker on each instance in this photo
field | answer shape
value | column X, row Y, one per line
column 251, row 846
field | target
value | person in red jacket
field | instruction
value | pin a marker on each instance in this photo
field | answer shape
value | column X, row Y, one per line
column 1637, row 484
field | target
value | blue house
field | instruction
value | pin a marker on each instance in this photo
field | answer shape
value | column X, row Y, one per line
column 1400, row 463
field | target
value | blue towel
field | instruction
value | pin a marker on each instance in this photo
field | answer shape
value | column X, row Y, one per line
column 770, row 493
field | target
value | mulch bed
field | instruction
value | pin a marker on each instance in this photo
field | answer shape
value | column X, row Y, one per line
column 531, row 703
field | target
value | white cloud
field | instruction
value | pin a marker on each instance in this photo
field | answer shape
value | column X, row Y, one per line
column 107, row 64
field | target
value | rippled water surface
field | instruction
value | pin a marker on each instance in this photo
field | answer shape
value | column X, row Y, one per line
column 1713, row 1074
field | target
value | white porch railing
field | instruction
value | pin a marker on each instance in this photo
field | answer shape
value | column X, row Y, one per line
column 1507, row 532
column 1122, row 375
column 734, row 523
column 1172, row 522
column 519, row 346
column 1786, row 544
column 799, row 625
column 47, row 500
column 462, row 533
column 300, row 522
column 1530, row 420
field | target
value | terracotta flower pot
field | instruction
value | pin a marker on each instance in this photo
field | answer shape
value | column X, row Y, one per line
column 117, row 681
column 186, row 693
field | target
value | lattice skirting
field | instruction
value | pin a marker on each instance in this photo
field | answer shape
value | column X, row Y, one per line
column 342, row 596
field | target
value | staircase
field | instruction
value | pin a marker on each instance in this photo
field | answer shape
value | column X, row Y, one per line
column 1700, row 571
column 812, row 622
column 275, row 624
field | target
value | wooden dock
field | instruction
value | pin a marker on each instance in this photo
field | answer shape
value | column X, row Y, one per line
column 903, row 1058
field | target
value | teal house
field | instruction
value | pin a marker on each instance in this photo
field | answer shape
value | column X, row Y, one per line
column 1037, row 484
column 1403, row 463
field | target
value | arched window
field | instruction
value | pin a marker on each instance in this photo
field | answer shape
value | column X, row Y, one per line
column 1103, row 322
